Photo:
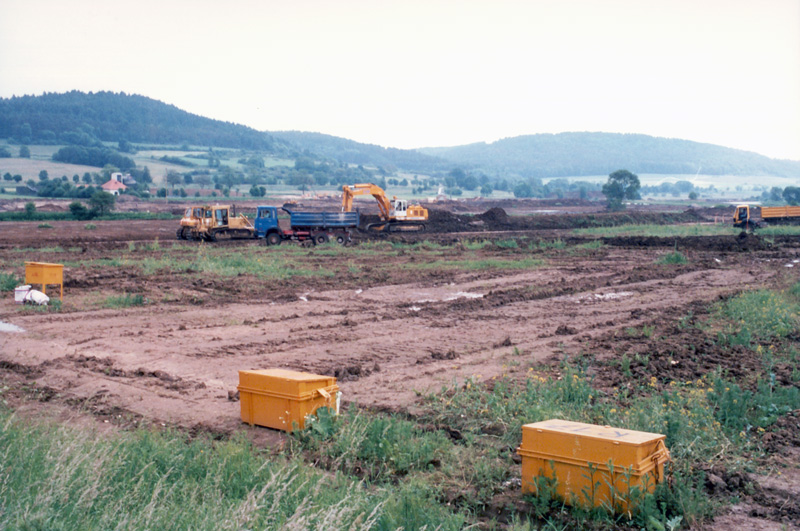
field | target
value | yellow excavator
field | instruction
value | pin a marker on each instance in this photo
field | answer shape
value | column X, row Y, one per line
column 396, row 214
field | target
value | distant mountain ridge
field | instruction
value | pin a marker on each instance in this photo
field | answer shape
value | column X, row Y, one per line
column 82, row 118
column 112, row 117
column 576, row 154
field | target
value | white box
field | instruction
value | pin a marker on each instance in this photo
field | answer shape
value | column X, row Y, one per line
column 20, row 292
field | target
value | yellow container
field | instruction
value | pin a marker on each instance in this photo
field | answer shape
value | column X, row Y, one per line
column 591, row 465
column 282, row 399
column 44, row 274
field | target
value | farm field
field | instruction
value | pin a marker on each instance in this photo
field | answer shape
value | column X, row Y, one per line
column 458, row 335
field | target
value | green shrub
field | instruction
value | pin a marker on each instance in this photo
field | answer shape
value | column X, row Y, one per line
column 507, row 244
column 9, row 281
column 758, row 315
column 379, row 447
column 673, row 258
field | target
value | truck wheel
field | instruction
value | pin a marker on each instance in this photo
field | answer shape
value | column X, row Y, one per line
column 273, row 238
column 319, row 239
column 341, row 240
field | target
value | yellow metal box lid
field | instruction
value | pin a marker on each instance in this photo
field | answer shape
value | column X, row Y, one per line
column 579, row 442
column 283, row 382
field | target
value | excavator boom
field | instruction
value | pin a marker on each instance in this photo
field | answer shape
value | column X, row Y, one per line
column 349, row 192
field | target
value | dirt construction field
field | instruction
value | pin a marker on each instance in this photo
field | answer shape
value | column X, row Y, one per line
column 153, row 330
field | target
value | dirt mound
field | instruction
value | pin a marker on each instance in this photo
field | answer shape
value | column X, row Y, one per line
column 494, row 215
column 446, row 221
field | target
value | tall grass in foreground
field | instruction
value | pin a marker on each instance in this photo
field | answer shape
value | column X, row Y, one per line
column 62, row 478
column 705, row 421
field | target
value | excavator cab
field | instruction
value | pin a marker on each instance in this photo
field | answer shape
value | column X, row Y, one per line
column 399, row 208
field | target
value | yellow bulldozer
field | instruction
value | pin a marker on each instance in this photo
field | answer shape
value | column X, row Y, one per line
column 396, row 214
column 206, row 222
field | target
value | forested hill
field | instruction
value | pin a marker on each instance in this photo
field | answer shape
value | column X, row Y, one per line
column 352, row 152
column 78, row 118
column 574, row 154
column 83, row 119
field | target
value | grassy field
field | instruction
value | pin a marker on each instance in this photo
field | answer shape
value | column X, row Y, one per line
column 684, row 230
column 367, row 470
column 447, row 466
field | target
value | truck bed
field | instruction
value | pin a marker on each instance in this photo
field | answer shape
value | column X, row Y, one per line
column 780, row 212
column 323, row 220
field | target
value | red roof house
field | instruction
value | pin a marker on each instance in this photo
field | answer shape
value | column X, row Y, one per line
column 113, row 187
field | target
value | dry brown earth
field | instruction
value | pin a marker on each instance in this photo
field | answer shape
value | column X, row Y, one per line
column 388, row 333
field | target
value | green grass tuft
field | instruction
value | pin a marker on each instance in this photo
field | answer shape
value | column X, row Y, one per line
column 124, row 301
column 673, row 258
column 9, row 281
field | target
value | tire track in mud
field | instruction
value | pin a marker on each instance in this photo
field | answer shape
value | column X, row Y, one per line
column 552, row 325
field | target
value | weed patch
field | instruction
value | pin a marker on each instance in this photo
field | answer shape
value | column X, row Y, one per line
column 376, row 447
column 63, row 478
column 124, row 301
column 543, row 245
column 673, row 258
column 758, row 316
column 9, row 281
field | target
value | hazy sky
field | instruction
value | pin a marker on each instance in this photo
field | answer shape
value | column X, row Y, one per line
column 432, row 72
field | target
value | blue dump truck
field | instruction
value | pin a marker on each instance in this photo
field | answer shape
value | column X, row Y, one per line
column 314, row 227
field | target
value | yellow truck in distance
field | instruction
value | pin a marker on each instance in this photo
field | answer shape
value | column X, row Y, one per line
column 745, row 218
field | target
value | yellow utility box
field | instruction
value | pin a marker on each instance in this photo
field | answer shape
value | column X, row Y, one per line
column 282, row 399
column 591, row 465
column 44, row 274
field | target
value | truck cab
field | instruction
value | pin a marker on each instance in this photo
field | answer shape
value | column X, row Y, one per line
column 741, row 215
column 266, row 221
column 744, row 219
